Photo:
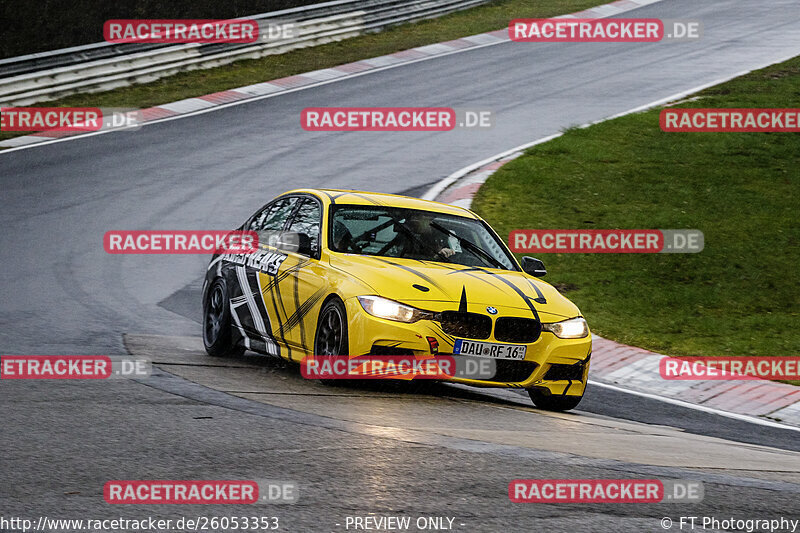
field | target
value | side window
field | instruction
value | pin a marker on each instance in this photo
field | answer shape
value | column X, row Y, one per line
column 270, row 221
column 259, row 219
column 307, row 220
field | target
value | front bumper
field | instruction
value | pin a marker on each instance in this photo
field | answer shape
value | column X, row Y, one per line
column 559, row 365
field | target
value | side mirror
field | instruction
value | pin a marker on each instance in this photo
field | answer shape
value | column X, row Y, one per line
column 298, row 243
column 533, row 266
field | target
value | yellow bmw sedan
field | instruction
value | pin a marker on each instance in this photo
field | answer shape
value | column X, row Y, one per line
column 354, row 273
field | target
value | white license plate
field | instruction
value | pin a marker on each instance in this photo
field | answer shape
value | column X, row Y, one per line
column 489, row 349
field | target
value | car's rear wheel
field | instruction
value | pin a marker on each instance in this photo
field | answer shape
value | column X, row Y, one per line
column 217, row 329
column 331, row 337
column 553, row 402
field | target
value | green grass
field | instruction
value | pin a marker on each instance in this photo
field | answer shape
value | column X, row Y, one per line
column 740, row 295
column 490, row 17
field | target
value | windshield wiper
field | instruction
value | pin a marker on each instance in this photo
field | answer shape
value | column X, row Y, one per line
column 470, row 246
column 419, row 241
column 408, row 231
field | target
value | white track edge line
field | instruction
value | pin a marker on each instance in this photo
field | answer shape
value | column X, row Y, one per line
column 696, row 407
column 440, row 186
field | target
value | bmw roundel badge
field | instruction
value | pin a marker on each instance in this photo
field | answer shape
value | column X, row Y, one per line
column 491, row 310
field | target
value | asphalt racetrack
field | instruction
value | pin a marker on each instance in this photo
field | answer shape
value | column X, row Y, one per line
column 435, row 450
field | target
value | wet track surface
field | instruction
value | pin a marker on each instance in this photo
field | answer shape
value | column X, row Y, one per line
column 598, row 400
column 433, row 451
column 443, row 451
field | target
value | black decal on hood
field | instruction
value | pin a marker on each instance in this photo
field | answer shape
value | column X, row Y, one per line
column 527, row 299
column 417, row 273
column 540, row 299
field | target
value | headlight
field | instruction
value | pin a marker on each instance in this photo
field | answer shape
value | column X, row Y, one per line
column 574, row 328
column 391, row 310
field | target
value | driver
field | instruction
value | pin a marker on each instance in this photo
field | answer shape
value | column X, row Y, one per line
column 427, row 242
column 342, row 238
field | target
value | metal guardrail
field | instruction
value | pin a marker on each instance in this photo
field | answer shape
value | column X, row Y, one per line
column 97, row 67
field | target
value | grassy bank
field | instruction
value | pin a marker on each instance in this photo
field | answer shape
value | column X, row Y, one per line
column 740, row 295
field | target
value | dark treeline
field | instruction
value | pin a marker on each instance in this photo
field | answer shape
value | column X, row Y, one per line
column 28, row 26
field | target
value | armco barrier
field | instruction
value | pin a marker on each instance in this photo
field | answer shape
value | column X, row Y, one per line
column 98, row 67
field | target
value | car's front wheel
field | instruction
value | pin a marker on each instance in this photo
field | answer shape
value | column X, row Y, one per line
column 217, row 330
column 553, row 402
column 331, row 337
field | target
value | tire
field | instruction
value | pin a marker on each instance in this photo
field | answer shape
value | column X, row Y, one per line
column 552, row 402
column 331, row 337
column 217, row 329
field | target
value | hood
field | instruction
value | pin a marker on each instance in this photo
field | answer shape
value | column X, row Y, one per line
column 455, row 287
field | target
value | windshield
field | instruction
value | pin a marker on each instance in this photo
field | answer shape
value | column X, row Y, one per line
column 415, row 234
